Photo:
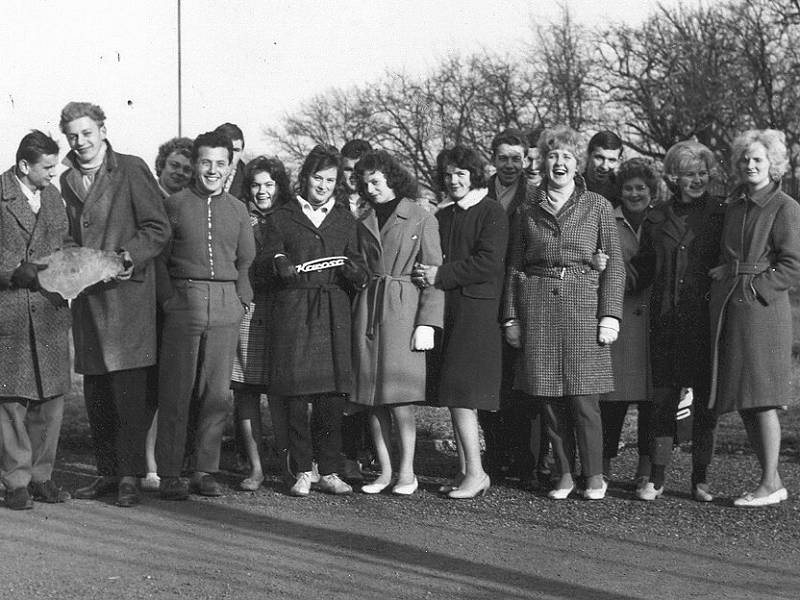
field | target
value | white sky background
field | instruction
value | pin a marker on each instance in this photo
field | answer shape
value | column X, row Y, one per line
column 244, row 61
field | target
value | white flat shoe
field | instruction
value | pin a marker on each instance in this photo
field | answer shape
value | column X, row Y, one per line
column 375, row 487
column 596, row 493
column 649, row 492
column 406, row 489
column 749, row 500
column 560, row 493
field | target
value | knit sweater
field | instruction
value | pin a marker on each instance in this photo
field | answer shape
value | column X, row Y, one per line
column 212, row 239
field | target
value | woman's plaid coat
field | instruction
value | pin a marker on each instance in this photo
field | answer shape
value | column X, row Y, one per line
column 552, row 289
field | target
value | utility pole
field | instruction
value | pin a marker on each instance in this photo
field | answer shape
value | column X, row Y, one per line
column 180, row 81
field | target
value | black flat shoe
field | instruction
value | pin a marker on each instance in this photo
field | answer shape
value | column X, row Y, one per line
column 128, row 495
column 47, row 491
column 101, row 486
column 18, row 499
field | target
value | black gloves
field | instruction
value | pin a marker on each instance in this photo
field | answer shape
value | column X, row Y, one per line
column 284, row 268
column 27, row 276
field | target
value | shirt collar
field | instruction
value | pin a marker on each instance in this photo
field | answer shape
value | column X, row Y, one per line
column 472, row 198
column 307, row 207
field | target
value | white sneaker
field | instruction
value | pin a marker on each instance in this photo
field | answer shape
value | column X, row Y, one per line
column 649, row 492
column 331, row 484
column 302, row 486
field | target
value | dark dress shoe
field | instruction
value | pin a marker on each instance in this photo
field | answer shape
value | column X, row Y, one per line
column 173, row 488
column 351, row 471
column 206, row 485
column 18, row 499
column 101, row 486
column 128, row 495
column 47, row 491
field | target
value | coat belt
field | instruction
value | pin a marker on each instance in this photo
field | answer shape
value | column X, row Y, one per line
column 375, row 295
column 315, row 303
column 742, row 268
column 556, row 272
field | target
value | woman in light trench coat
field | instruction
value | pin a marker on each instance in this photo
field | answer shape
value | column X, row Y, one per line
column 751, row 316
column 394, row 319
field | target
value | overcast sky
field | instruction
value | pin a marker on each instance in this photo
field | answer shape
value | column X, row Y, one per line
column 243, row 61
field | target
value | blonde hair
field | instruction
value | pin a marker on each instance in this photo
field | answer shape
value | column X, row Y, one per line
column 560, row 138
column 681, row 155
column 774, row 142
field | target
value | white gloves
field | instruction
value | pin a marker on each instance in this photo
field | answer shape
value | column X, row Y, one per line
column 422, row 338
column 607, row 330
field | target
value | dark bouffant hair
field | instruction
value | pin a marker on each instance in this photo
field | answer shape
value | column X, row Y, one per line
column 321, row 157
column 462, row 157
column 641, row 168
column 35, row 145
column 274, row 167
column 181, row 145
column 212, row 139
column 398, row 178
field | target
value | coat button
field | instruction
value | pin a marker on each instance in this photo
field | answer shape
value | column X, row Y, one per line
column 739, row 300
column 85, row 224
column 555, row 291
column 683, row 247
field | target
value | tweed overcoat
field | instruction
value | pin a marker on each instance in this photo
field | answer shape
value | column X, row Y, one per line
column 685, row 247
column 466, row 369
column 630, row 354
column 552, row 289
column 309, row 349
column 750, row 313
column 387, row 311
column 114, row 324
column 34, row 326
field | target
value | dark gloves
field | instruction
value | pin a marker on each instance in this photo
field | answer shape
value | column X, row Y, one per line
column 352, row 272
column 27, row 276
column 284, row 268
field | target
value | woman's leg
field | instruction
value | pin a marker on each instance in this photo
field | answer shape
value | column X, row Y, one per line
column 150, row 446
column 559, row 428
column 588, row 425
column 248, row 404
column 465, row 422
column 764, row 431
column 662, row 431
column 407, row 428
column 380, row 422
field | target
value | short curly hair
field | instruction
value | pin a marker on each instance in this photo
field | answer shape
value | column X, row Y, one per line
column 462, row 157
column 398, row 178
column 321, row 157
column 775, row 143
column 181, row 145
column 637, row 168
column 560, row 138
column 76, row 110
column 275, row 169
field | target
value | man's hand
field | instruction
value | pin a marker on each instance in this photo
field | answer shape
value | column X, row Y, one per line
column 513, row 334
column 27, row 276
column 422, row 339
column 424, row 275
column 127, row 266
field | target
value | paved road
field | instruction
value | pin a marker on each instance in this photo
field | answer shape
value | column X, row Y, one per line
column 511, row 544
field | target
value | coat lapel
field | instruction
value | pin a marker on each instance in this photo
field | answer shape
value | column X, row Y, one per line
column 371, row 224
column 17, row 203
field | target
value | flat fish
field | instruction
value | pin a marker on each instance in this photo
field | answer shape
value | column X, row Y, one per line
column 72, row 270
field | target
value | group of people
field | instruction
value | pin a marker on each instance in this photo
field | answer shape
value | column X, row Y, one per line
column 535, row 303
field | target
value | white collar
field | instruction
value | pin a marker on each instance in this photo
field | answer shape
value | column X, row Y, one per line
column 472, row 198
column 307, row 206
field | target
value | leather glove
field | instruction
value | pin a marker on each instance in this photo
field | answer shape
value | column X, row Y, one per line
column 513, row 335
column 127, row 265
column 285, row 268
column 607, row 331
column 352, row 272
column 27, row 276
column 422, row 339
